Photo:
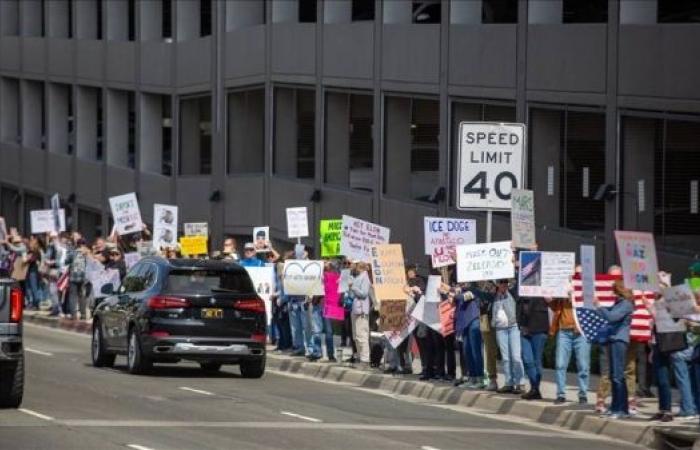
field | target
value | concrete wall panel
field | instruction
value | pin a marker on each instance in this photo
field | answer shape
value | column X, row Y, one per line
column 411, row 53
column 60, row 174
column 9, row 53
column 483, row 55
column 243, row 203
column 348, row 50
column 336, row 203
column 90, row 62
column 287, row 194
column 156, row 63
column 9, row 168
column 194, row 62
column 119, row 181
column 153, row 189
column 245, row 52
column 33, row 173
column 33, row 55
column 193, row 199
column 61, row 57
column 406, row 223
column 294, row 48
column 121, row 62
column 88, row 188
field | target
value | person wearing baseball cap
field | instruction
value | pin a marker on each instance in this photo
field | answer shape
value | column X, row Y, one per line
column 250, row 258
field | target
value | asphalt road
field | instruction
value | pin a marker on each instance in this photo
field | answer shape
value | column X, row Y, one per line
column 71, row 405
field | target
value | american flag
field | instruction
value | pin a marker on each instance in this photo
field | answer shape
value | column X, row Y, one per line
column 589, row 322
column 641, row 317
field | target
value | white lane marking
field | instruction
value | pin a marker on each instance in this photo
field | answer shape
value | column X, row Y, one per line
column 196, row 391
column 36, row 414
column 138, row 447
column 299, row 416
column 38, row 352
column 427, row 447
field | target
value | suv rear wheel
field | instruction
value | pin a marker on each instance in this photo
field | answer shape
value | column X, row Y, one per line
column 253, row 368
column 100, row 356
column 12, row 384
column 137, row 362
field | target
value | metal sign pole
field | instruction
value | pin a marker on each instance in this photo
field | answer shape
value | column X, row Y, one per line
column 489, row 224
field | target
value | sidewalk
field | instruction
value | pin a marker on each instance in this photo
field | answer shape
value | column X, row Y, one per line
column 678, row 434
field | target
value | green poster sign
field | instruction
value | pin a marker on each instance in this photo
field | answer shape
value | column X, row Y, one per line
column 330, row 237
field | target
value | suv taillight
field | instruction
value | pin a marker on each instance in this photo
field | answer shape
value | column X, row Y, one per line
column 253, row 304
column 165, row 302
column 16, row 305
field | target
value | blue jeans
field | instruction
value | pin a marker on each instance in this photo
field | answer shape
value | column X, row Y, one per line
column 695, row 382
column 321, row 325
column 34, row 288
column 472, row 349
column 298, row 322
column 532, row 350
column 679, row 361
column 568, row 340
column 618, row 354
column 511, row 357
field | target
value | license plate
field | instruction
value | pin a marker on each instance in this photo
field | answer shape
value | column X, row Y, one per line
column 212, row 313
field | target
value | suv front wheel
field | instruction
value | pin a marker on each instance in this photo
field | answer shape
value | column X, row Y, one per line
column 137, row 362
column 12, row 384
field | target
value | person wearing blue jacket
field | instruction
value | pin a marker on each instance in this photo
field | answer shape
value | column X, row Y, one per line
column 467, row 314
column 619, row 317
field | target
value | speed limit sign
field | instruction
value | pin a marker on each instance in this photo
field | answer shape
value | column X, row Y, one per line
column 491, row 157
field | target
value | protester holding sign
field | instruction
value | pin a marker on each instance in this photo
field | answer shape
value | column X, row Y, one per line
column 504, row 321
column 467, row 325
column 533, row 320
column 359, row 290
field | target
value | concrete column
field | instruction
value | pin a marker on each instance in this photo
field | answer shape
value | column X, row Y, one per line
column 190, row 145
column 545, row 11
column 398, row 147
column 117, row 19
column 398, row 11
column 187, row 19
column 285, row 11
column 86, row 131
column 285, row 135
column 337, row 11
column 244, row 13
column 59, row 96
column 32, row 110
column 545, row 135
column 117, row 117
column 636, row 12
column 57, row 18
column 86, row 19
column 9, row 113
column 337, row 139
column 151, row 133
column 151, row 26
column 9, row 18
column 30, row 17
column 469, row 12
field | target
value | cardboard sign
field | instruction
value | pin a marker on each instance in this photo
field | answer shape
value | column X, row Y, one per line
column 522, row 218
column 428, row 313
column 588, row 275
column 492, row 261
column 263, row 279
column 680, row 300
column 297, row 222
column 395, row 338
column 126, row 213
column 130, row 259
column 392, row 315
column 358, row 237
column 329, row 231
column 638, row 260
column 491, row 159
column 447, row 318
column 303, row 277
column 443, row 235
column 196, row 229
column 193, row 245
column 545, row 274
column 43, row 221
column 332, row 309
column 388, row 271
column 261, row 236
column 164, row 226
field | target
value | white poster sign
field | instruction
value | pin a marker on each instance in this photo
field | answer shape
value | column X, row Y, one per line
column 358, row 237
column 428, row 313
column 588, row 274
column 103, row 277
column 545, row 274
column 261, row 236
column 491, row 159
column 196, row 229
column 263, row 279
column 44, row 221
column 522, row 219
column 297, row 222
column 126, row 213
column 491, row 261
column 55, row 208
column 164, row 226
column 432, row 287
column 680, row 300
column 130, row 259
column 443, row 235
column 3, row 230
column 395, row 338
column 303, row 277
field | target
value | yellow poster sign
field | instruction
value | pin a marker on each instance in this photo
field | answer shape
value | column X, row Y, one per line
column 388, row 271
column 193, row 245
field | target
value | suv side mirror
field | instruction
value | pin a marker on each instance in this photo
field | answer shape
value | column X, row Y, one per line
column 107, row 289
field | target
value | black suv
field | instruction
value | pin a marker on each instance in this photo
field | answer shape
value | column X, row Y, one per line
column 169, row 310
column 11, row 350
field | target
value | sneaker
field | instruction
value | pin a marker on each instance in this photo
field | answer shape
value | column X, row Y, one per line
column 517, row 390
column 492, row 387
column 665, row 418
column 532, row 394
column 559, row 401
column 458, row 382
column 617, row 416
column 505, row 390
column 582, row 401
column 600, row 406
column 632, row 407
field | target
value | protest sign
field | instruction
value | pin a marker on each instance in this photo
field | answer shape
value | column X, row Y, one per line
column 545, row 274
column 263, row 279
column 261, row 237
column 100, row 278
column 329, row 231
column 395, row 338
column 196, row 229
column 638, row 260
column 303, row 277
column 443, row 235
column 431, row 288
column 491, row 261
column 358, row 237
column 344, row 283
column 43, row 221
column 388, row 271
column 3, row 230
column 297, row 222
column 130, row 259
column 663, row 320
column 126, row 213
column 428, row 313
column 55, row 210
column 522, row 218
column 447, row 318
column 164, row 226
column 588, row 274
column 193, row 245
column 680, row 300
column 145, row 248
column 332, row 309
column 392, row 315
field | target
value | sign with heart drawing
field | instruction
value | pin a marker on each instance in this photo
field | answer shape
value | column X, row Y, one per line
column 303, row 277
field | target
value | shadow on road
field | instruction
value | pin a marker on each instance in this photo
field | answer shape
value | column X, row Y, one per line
column 171, row 371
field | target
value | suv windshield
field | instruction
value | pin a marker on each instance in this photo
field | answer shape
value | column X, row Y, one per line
column 205, row 281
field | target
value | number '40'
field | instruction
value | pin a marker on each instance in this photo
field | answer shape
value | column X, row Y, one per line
column 479, row 185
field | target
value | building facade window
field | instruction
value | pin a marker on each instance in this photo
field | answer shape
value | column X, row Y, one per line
column 411, row 147
column 363, row 10
column 678, row 11
column 10, row 111
column 195, row 136
column 9, row 18
column 294, row 136
column 590, row 11
column 307, row 11
column 246, row 131
column 9, row 206
column 32, row 202
column 205, row 18
column 499, row 11
column 349, row 141
column 426, row 11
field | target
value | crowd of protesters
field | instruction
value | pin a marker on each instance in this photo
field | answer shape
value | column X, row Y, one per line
column 491, row 322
